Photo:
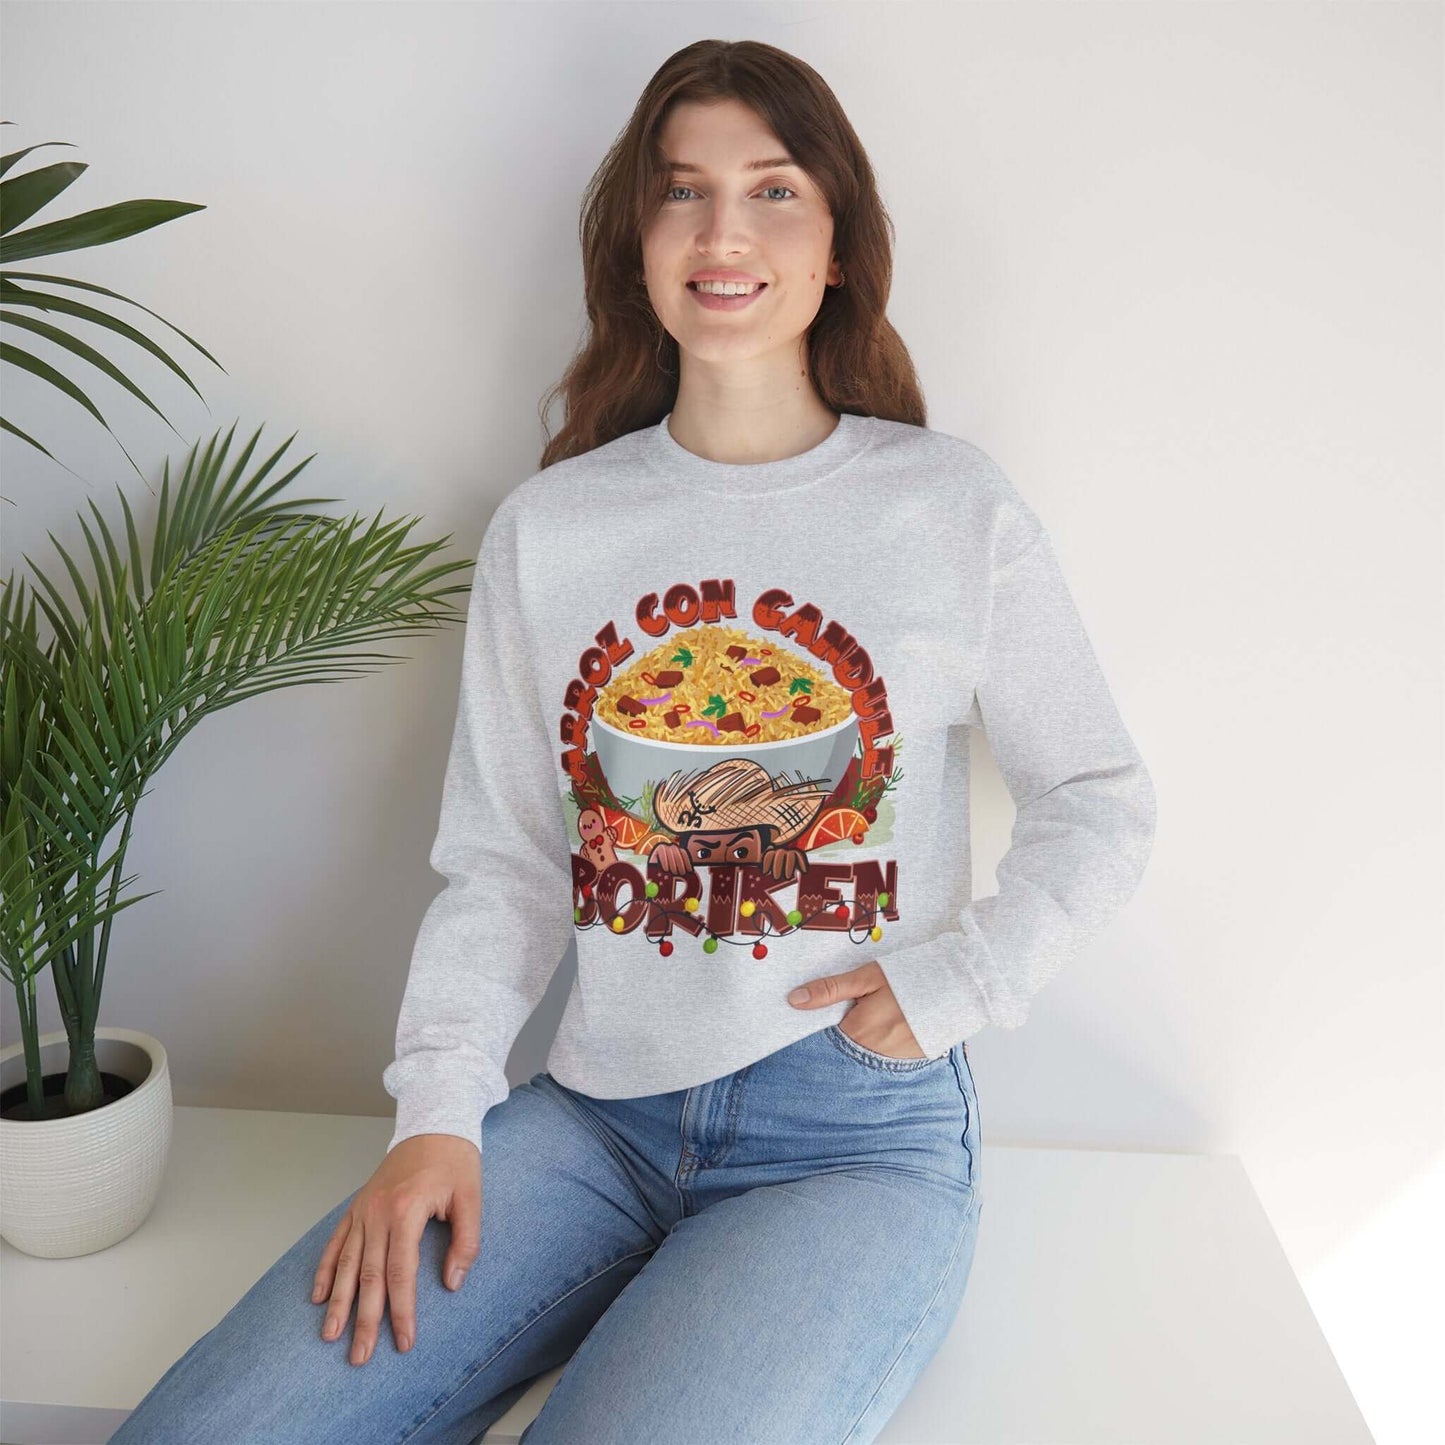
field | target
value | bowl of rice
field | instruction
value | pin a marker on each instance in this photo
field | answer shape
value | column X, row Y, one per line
column 710, row 693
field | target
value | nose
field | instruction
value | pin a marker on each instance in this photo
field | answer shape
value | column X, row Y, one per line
column 722, row 229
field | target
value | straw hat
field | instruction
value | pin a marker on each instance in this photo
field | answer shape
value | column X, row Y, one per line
column 738, row 793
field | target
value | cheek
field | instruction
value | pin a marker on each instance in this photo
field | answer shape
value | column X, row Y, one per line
column 664, row 236
column 801, row 255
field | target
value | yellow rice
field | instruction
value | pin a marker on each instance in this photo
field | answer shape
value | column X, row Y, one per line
column 710, row 673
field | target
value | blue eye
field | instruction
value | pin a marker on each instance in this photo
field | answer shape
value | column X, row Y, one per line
column 778, row 187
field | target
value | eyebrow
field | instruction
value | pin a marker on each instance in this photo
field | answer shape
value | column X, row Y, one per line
column 765, row 165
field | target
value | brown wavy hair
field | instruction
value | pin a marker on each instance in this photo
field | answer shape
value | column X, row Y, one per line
column 625, row 374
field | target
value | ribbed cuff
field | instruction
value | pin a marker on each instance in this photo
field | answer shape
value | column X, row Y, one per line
column 939, row 998
column 426, row 1110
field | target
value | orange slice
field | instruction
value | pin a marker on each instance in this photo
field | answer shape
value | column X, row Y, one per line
column 632, row 833
column 629, row 831
column 832, row 825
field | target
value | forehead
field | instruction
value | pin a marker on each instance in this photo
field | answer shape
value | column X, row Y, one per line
column 717, row 137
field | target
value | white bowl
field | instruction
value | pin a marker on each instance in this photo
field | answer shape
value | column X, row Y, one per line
column 631, row 762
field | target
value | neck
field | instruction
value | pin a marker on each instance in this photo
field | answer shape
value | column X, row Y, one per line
column 764, row 418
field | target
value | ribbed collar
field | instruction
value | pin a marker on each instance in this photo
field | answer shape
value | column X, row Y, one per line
column 664, row 453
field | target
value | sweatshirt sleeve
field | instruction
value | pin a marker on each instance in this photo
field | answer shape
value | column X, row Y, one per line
column 1085, row 807
column 490, row 941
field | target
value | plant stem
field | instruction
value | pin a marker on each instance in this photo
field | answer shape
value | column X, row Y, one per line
column 78, row 985
column 30, row 1035
column 114, row 889
column 82, row 1077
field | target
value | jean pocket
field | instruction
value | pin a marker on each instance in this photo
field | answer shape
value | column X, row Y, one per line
column 973, row 1120
column 870, row 1059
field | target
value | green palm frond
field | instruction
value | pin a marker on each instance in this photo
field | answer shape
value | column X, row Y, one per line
column 21, row 197
column 235, row 595
column 204, row 505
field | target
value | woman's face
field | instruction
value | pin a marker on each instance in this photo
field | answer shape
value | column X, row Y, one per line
column 770, row 223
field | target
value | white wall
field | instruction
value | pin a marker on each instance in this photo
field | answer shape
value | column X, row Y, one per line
column 1177, row 267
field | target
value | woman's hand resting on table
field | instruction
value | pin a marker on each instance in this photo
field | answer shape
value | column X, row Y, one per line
column 378, row 1240
column 875, row 1020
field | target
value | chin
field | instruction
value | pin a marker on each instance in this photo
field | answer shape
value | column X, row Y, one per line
column 722, row 349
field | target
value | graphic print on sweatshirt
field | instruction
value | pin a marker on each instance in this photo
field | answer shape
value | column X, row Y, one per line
column 721, row 774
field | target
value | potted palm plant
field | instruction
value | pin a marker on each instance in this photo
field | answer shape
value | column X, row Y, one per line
column 231, row 594
column 234, row 594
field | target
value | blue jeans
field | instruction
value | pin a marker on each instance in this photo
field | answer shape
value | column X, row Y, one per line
column 772, row 1256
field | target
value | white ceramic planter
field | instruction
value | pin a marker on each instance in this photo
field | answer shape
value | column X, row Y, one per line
column 73, row 1186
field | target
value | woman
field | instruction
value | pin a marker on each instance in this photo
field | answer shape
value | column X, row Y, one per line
column 737, row 627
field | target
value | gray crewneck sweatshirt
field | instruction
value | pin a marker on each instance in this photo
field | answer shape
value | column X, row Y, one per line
column 713, row 728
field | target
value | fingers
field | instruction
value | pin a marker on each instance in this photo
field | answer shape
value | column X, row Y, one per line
column 326, row 1269
column 374, row 1252
column 403, row 1260
column 360, row 1261
column 788, row 861
column 343, row 1286
column 824, row 989
column 466, row 1221
column 371, row 1301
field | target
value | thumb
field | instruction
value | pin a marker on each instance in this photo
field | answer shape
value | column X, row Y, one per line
column 466, row 1222
column 831, row 988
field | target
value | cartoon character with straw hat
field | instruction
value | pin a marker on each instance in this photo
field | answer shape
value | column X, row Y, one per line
column 735, row 812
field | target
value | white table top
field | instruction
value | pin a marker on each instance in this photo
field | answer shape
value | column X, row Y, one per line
column 1115, row 1297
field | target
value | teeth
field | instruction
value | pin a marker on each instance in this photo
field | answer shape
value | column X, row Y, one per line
column 727, row 288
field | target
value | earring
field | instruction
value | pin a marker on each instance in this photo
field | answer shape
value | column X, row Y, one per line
column 841, row 279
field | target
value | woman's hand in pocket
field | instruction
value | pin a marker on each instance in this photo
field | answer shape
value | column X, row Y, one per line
column 875, row 1020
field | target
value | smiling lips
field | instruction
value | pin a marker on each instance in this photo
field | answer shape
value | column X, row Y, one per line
column 712, row 301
